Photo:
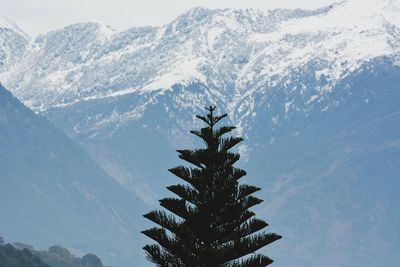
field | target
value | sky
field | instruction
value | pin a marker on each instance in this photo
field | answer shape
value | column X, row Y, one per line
column 41, row 16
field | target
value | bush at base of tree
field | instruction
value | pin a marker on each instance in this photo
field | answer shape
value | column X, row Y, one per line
column 10, row 256
column 57, row 256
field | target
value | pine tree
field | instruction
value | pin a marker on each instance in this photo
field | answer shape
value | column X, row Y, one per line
column 211, row 224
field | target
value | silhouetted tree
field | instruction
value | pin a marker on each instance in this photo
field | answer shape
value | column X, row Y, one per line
column 213, row 225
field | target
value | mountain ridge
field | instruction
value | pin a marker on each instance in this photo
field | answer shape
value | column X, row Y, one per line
column 94, row 52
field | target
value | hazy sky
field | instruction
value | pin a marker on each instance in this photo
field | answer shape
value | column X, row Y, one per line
column 39, row 16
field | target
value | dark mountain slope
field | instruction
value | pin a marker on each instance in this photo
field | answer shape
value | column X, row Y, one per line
column 52, row 192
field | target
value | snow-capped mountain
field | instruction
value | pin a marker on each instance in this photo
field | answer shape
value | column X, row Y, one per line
column 315, row 93
column 232, row 53
column 13, row 42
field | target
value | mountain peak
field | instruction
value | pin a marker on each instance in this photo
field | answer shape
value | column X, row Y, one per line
column 5, row 23
column 85, row 28
column 234, row 47
column 193, row 15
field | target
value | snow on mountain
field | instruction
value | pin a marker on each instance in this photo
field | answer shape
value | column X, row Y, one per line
column 234, row 53
column 7, row 24
column 13, row 41
column 346, row 35
column 336, row 41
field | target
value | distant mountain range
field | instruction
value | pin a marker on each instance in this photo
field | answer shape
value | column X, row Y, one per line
column 315, row 93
